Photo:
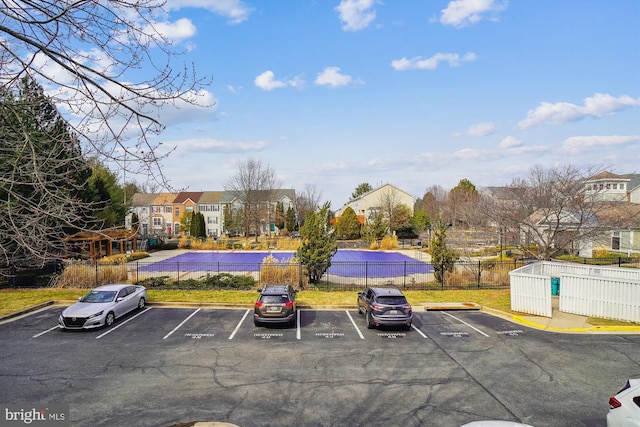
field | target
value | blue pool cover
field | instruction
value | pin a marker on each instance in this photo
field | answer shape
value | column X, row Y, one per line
column 349, row 263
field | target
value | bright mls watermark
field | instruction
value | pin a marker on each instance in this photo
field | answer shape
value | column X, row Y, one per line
column 35, row 415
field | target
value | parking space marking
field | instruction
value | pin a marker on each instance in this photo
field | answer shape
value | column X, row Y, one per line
column 511, row 333
column 123, row 323
column 354, row 324
column 47, row 331
column 462, row 321
column 180, row 325
column 233, row 334
column 418, row 331
column 298, row 333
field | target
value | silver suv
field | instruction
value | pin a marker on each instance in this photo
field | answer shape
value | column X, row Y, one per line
column 276, row 304
column 384, row 306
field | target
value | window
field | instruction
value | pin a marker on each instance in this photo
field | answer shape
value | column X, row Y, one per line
column 216, row 208
column 157, row 222
column 188, row 208
column 177, row 213
column 614, row 186
column 622, row 186
column 143, row 210
column 615, row 240
column 167, row 209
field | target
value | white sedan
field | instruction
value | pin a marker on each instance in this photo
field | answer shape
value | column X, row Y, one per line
column 624, row 407
column 102, row 306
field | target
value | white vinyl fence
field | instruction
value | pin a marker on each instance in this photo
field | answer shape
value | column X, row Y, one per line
column 606, row 292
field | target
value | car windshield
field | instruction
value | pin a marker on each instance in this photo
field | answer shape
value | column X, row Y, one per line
column 99, row 296
column 274, row 299
column 392, row 300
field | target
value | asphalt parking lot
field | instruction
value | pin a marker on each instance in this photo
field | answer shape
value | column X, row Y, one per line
column 163, row 366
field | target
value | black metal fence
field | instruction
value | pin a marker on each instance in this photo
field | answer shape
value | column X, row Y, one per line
column 413, row 274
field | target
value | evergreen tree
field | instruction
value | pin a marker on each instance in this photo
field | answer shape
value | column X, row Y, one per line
column 442, row 258
column 290, row 219
column 375, row 227
column 106, row 196
column 42, row 177
column 361, row 189
column 318, row 245
column 197, row 228
column 348, row 226
column 280, row 219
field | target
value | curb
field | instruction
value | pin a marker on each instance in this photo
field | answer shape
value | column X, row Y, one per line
column 27, row 310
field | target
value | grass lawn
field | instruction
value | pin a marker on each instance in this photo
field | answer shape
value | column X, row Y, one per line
column 14, row 300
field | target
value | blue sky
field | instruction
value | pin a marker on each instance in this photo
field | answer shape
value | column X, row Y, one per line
column 414, row 93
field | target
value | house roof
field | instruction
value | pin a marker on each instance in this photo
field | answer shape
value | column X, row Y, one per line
column 261, row 195
column 211, row 197
column 619, row 215
column 622, row 215
column 606, row 175
column 143, row 199
column 634, row 180
column 164, row 199
column 183, row 196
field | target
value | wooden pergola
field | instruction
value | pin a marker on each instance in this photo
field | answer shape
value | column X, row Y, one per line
column 96, row 240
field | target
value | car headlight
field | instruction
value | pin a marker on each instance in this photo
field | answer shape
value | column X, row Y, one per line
column 96, row 315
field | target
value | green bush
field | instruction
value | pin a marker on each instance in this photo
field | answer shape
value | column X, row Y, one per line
column 219, row 281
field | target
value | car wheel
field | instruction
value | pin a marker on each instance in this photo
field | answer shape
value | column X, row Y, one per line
column 141, row 303
column 108, row 321
column 408, row 326
column 370, row 324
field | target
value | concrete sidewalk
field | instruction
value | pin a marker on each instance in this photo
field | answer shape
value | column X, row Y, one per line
column 562, row 322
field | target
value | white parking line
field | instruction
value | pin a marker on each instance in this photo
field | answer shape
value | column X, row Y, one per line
column 181, row 323
column 123, row 323
column 298, row 333
column 47, row 331
column 233, row 334
column 354, row 324
column 462, row 321
column 418, row 331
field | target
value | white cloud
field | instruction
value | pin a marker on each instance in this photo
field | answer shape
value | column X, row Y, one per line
column 418, row 63
column 510, row 142
column 562, row 112
column 331, row 76
column 267, row 81
column 460, row 13
column 480, row 129
column 356, row 14
column 178, row 30
column 235, row 11
column 579, row 144
column 207, row 145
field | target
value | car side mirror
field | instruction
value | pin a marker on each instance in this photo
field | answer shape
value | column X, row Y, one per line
column 119, row 299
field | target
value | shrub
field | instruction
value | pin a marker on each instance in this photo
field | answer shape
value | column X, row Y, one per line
column 80, row 275
column 218, row 281
column 274, row 272
column 389, row 242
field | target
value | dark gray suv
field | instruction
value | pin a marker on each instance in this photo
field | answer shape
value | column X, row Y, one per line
column 384, row 306
column 276, row 304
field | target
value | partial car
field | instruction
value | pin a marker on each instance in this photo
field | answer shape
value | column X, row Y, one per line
column 384, row 306
column 276, row 304
column 624, row 407
column 102, row 306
